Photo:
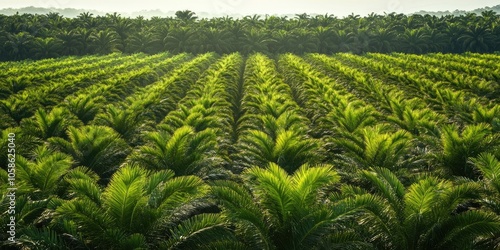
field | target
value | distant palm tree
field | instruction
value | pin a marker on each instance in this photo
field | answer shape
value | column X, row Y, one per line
column 414, row 41
column 104, row 42
column 19, row 45
column 46, row 48
column 477, row 39
column 180, row 40
column 185, row 15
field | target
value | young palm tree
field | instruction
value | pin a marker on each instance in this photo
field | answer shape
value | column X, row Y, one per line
column 96, row 147
column 133, row 211
column 276, row 210
column 489, row 167
column 54, row 124
column 289, row 149
column 43, row 176
column 85, row 107
column 376, row 146
column 184, row 151
column 458, row 146
column 426, row 215
column 126, row 123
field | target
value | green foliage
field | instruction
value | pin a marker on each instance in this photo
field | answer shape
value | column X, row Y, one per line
column 96, row 147
column 130, row 209
column 185, row 151
column 215, row 152
column 458, row 146
column 277, row 210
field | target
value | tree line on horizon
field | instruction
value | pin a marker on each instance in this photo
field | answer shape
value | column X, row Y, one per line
column 34, row 36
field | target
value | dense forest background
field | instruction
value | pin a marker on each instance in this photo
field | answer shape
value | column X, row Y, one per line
column 37, row 36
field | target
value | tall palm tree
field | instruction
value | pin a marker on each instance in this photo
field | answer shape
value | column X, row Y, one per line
column 383, row 40
column 256, row 41
column 71, row 42
column 144, row 41
column 477, row 39
column 217, row 40
column 19, row 45
column 46, row 48
column 180, row 40
column 414, row 41
column 104, row 42
column 186, row 15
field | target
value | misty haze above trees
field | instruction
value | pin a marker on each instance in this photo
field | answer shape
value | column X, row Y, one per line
column 71, row 12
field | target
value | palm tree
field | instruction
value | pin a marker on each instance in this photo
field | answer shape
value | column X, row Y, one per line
column 343, row 41
column 54, row 124
column 256, row 41
column 458, row 145
column 426, row 215
column 19, row 45
column 46, row 48
column 439, row 40
column 123, row 27
column 186, row 15
column 125, row 122
column 324, row 36
column 180, row 40
column 414, row 41
column 477, row 39
column 377, row 146
column 184, row 151
column 104, row 42
column 143, row 41
column 134, row 211
column 85, row 107
column 287, row 148
column 277, row 210
column 216, row 40
column 302, row 41
column 383, row 40
column 71, row 42
column 44, row 176
column 86, row 40
column 86, row 20
column 96, row 147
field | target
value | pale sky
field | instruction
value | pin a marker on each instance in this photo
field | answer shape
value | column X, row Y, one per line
column 336, row 7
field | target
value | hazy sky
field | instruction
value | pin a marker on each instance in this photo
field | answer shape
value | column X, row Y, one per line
column 336, row 7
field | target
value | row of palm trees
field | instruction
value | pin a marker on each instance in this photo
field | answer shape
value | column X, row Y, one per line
column 265, row 208
column 52, row 35
column 134, row 161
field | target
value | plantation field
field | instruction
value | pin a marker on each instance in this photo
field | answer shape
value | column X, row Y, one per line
column 208, row 151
